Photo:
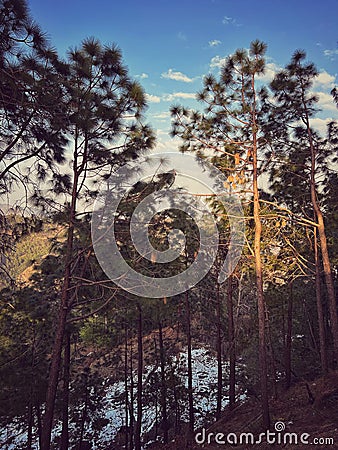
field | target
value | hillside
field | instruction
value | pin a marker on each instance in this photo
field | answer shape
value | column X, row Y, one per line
column 294, row 410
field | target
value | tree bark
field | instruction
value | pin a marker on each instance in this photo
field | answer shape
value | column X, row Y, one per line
column 190, row 388
column 64, row 444
column 126, row 400
column 85, row 410
column 138, row 426
column 163, row 386
column 259, row 276
column 131, row 412
column 219, row 355
column 54, row 370
column 288, row 340
column 320, row 312
column 232, row 344
column 323, row 241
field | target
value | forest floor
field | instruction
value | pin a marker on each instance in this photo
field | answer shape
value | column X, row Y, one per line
column 294, row 411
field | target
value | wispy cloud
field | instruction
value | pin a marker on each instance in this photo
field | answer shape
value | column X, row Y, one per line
column 177, row 76
column 332, row 54
column 181, row 36
column 214, row 43
column 142, row 76
column 230, row 21
column 153, row 98
column 176, row 95
column 162, row 115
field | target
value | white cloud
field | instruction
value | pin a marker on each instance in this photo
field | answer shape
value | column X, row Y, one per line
column 270, row 71
column 177, row 76
column 162, row 115
column 142, row 76
column 324, row 79
column 214, row 43
column 166, row 144
column 325, row 101
column 217, row 61
column 175, row 95
column 331, row 54
column 230, row 21
column 320, row 124
column 153, row 98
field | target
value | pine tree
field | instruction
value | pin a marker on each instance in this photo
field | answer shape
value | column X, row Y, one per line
column 230, row 128
column 100, row 96
column 32, row 116
column 296, row 104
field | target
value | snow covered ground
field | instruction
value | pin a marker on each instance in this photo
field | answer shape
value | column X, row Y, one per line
column 204, row 366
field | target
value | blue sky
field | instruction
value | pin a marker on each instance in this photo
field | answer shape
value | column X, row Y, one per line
column 170, row 45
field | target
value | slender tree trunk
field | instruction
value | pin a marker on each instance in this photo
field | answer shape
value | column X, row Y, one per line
column 30, row 425
column 232, row 346
column 126, row 400
column 323, row 244
column 163, row 386
column 61, row 325
column 38, row 416
column 288, row 340
column 84, row 414
column 190, row 389
column 272, row 358
column 30, row 418
column 131, row 413
column 320, row 312
column 139, row 381
column 64, row 444
column 259, row 276
column 219, row 355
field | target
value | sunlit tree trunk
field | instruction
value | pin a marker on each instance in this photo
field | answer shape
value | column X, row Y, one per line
column 320, row 312
column 259, row 274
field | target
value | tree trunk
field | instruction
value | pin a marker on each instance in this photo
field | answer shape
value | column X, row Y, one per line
column 126, row 400
column 30, row 424
column 63, row 312
column 232, row 346
column 320, row 312
column 323, row 244
column 219, row 355
column 38, row 416
column 54, row 370
column 259, row 276
column 288, row 340
column 163, row 386
column 64, row 444
column 131, row 412
column 190, row 389
column 139, row 381
column 85, row 410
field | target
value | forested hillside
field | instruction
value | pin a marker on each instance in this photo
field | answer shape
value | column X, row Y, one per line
column 103, row 344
